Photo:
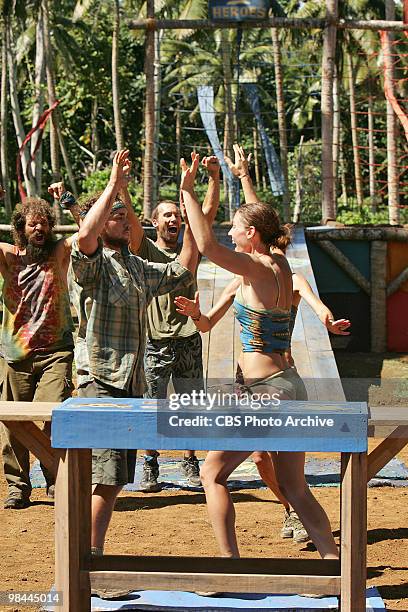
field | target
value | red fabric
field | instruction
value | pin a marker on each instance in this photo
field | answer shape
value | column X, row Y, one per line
column 397, row 322
column 39, row 126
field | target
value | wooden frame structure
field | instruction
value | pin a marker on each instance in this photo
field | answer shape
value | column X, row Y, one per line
column 329, row 25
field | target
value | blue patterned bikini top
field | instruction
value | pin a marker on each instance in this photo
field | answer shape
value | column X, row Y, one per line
column 262, row 330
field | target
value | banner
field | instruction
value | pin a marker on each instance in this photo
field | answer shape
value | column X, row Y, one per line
column 238, row 10
column 205, row 94
column 276, row 178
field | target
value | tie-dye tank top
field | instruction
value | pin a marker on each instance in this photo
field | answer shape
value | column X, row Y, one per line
column 36, row 311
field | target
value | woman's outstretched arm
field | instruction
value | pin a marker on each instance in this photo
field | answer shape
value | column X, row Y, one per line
column 205, row 322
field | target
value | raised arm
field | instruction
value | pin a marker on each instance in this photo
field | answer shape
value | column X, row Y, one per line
column 240, row 169
column 95, row 220
column 191, row 308
column 238, row 263
column 325, row 315
column 212, row 197
column 136, row 229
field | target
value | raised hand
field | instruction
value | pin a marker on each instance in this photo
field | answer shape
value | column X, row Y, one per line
column 189, row 308
column 212, row 165
column 56, row 190
column 240, row 167
column 120, row 166
column 188, row 173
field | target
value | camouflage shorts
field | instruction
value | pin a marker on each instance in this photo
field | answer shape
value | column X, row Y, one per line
column 113, row 467
column 177, row 358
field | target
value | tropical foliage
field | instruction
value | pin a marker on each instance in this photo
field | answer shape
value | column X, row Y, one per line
column 83, row 54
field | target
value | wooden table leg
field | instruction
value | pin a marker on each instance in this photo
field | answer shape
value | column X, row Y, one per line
column 73, row 528
column 353, row 532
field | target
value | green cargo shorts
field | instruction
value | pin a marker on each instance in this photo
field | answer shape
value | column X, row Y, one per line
column 112, row 467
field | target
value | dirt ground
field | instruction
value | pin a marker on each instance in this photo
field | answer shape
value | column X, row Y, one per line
column 176, row 523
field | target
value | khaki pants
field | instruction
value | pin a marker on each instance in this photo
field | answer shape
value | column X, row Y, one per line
column 42, row 377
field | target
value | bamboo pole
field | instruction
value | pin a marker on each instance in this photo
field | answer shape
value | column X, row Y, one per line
column 328, row 64
column 378, row 304
column 272, row 22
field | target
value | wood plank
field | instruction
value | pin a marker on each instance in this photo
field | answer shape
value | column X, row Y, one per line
column 68, row 532
column 26, row 411
column 84, row 513
column 33, row 438
column 219, row 565
column 353, row 532
column 324, row 426
column 311, row 348
column 388, row 416
column 385, row 451
column 188, row 581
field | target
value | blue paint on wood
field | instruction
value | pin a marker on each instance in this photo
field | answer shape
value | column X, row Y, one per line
column 141, row 423
column 330, row 278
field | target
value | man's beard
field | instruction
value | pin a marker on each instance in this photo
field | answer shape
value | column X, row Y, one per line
column 39, row 253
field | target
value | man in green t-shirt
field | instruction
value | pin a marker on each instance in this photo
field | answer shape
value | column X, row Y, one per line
column 174, row 348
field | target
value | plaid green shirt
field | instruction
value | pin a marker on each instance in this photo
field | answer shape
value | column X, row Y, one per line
column 111, row 292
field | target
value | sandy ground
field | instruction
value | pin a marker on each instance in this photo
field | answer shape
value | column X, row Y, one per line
column 176, row 523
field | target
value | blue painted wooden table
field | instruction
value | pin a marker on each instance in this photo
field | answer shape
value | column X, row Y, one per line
column 80, row 424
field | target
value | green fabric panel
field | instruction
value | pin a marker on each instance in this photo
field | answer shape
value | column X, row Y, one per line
column 330, row 278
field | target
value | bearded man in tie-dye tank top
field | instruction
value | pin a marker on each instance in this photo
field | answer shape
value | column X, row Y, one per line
column 36, row 335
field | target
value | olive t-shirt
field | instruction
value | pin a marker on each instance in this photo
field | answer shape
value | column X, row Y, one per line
column 163, row 319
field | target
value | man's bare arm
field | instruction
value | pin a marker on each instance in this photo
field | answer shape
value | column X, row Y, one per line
column 95, row 220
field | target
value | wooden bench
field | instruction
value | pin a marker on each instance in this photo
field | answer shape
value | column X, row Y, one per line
column 79, row 424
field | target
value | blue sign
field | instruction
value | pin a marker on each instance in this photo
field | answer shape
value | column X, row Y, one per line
column 238, row 10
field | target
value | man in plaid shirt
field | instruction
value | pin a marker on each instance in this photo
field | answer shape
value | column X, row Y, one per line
column 111, row 289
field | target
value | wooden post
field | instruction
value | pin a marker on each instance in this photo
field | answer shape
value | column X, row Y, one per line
column 353, row 532
column 378, row 296
column 73, row 529
column 148, row 183
column 328, row 61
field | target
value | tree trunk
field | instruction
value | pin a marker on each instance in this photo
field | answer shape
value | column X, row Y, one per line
column 115, row 80
column 67, row 162
column 299, row 183
column 157, row 104
column 371, row 156
column 15, row 111
column 229, row 132
column 343, row 171
column 256, row 157
column 95, row 141
column 178, row 143
column 354, row 132
column 38, row 106
column 392, row 145
column 336, row 133
column 328, row 62
column 280, row 105
column 49, row 67
column 3, row 128
column 148, row 201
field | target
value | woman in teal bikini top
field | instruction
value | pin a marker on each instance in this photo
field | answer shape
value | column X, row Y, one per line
column 255, row 230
